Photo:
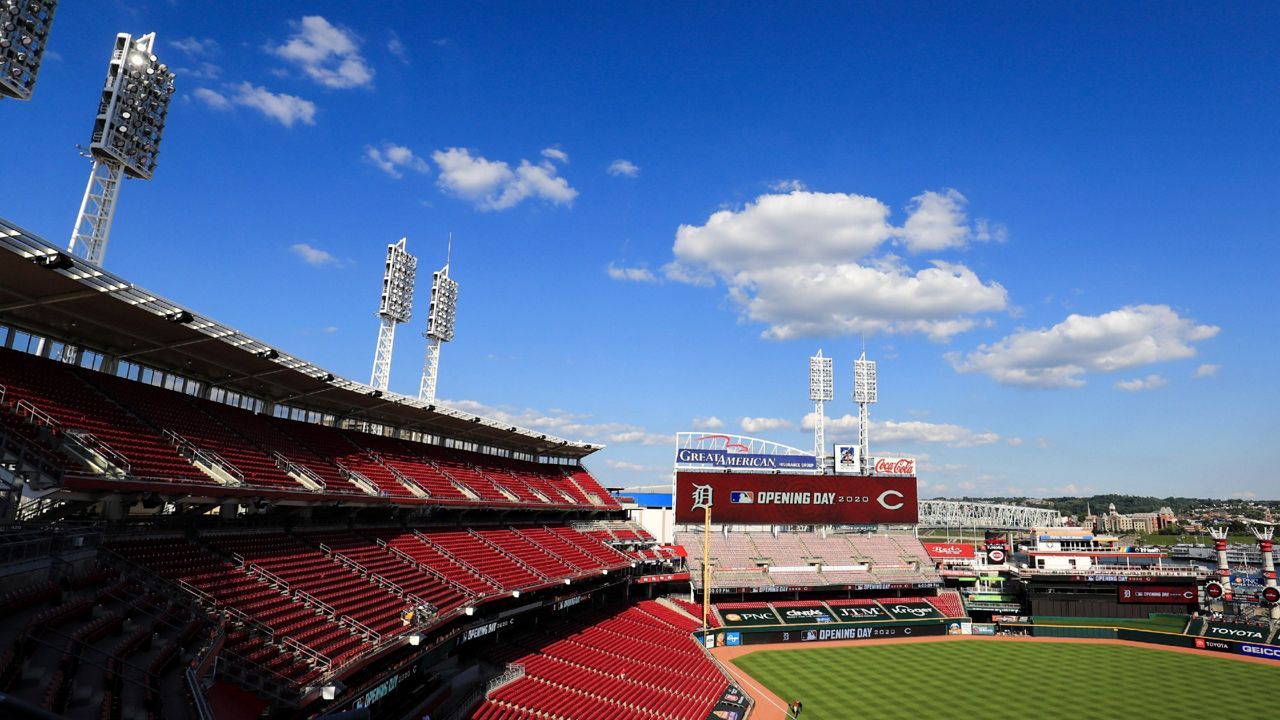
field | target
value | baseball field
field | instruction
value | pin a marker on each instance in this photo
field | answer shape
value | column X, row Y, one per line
column 996, row 680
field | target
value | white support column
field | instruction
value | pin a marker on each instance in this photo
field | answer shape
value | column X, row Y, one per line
column 819, row 431
column 382, row 356
column 864, row 434
column 97, row 210
column 430, row 370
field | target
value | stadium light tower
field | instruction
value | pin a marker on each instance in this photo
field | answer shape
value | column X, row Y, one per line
column 396, row 307
column 24, row 33
column 864, row 393
column 440, row 321
column 126, row 137
column 821, row 390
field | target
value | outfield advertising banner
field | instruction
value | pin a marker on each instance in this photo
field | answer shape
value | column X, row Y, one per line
column 1236, row 631
column 755, row 616
column 689, row 457
column 1159, row 594
column 860, row 613
column 753, row 498
column 947, row 551
column 837, row 632
column 807, row 615
column 1270, row 652
column 911, row 610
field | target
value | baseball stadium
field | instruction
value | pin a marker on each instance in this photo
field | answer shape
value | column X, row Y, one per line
column 196, row 523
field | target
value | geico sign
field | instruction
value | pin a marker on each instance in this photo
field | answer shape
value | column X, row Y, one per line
column 1266, row 651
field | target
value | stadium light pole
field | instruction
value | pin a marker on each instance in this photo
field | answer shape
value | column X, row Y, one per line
column 395, row 307
column 24, row 34
column 440, row 324
column 864, row 393
column 821, row 390
column 126, row 137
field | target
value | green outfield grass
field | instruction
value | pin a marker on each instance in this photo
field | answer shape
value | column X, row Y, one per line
column 994, row 680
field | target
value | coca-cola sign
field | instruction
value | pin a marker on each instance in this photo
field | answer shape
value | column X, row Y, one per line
column 948, row 550
column 894, row 466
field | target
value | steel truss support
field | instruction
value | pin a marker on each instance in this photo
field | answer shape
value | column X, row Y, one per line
column 97, row 210
column 955, row 514
column 430, row 371
column 382, row 356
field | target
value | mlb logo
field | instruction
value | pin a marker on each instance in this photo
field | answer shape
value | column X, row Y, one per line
column 745, row 497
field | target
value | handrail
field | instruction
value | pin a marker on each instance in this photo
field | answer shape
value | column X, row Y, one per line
column 36, row 413
column 510, row 556
column 290, row 466
column 198, row 593
column 96, row 444
column 238, row 559
column 340, row 558
column 315, row 656
column 360, row 479
column 250, row 622
column 361, row 627
column 222, row 463
column 309, row 599
column 405, row 480
column 423, row 567
column 269, row 576
column 514, row 672
column 198, row 700
column 429, row 543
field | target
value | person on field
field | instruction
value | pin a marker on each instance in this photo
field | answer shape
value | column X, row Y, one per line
column 799, row 707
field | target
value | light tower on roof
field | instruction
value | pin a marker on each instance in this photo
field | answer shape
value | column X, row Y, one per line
column 440, row 322
column 126, row 137
column 821, row 390
column 24, row 33
column 396, row 307
column 864, row 393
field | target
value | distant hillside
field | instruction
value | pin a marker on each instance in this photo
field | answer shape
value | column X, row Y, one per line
column 1126, row 504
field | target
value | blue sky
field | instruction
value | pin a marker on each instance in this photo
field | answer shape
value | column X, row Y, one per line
column 1054, row 226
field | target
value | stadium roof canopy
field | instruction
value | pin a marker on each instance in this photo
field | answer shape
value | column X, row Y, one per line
column 48, row 292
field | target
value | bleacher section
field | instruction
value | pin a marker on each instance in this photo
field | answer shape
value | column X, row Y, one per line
column 102, row 426
column 637, row 664
column 759, row 559
column 304, row 605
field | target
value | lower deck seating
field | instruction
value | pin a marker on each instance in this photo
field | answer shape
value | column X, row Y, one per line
column 637, row 664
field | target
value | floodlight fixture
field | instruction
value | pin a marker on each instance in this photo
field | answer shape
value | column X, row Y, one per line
column 126, row 137
column 821, row 390
column 440, row 325
column 396, row 306
column 24, row 34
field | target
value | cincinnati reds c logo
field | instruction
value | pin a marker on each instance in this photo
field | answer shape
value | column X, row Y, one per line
column 887, row 505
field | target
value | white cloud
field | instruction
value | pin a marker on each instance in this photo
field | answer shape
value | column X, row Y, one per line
column 285, row 109
column 212, row 98
column 967, row 485
column 392, row 159
column 1043, row 443
column 631, row 274
column 623, row 168
column 329, row 329
column 630, row 466
column 911, row 431
column 755, row 425
column 802, row 263
column 555, row 154
column 1014, row 441
column 708, row 423
column 1130, row 337
column 493, row 185
column 1150, row 382
column 328, row 54
column 313, row 255
column 396, row 47
column 1207, row 370
column 571, row 426
column 1244, row 495
column 937, row 221
column 786, row 186
column 195, row 47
